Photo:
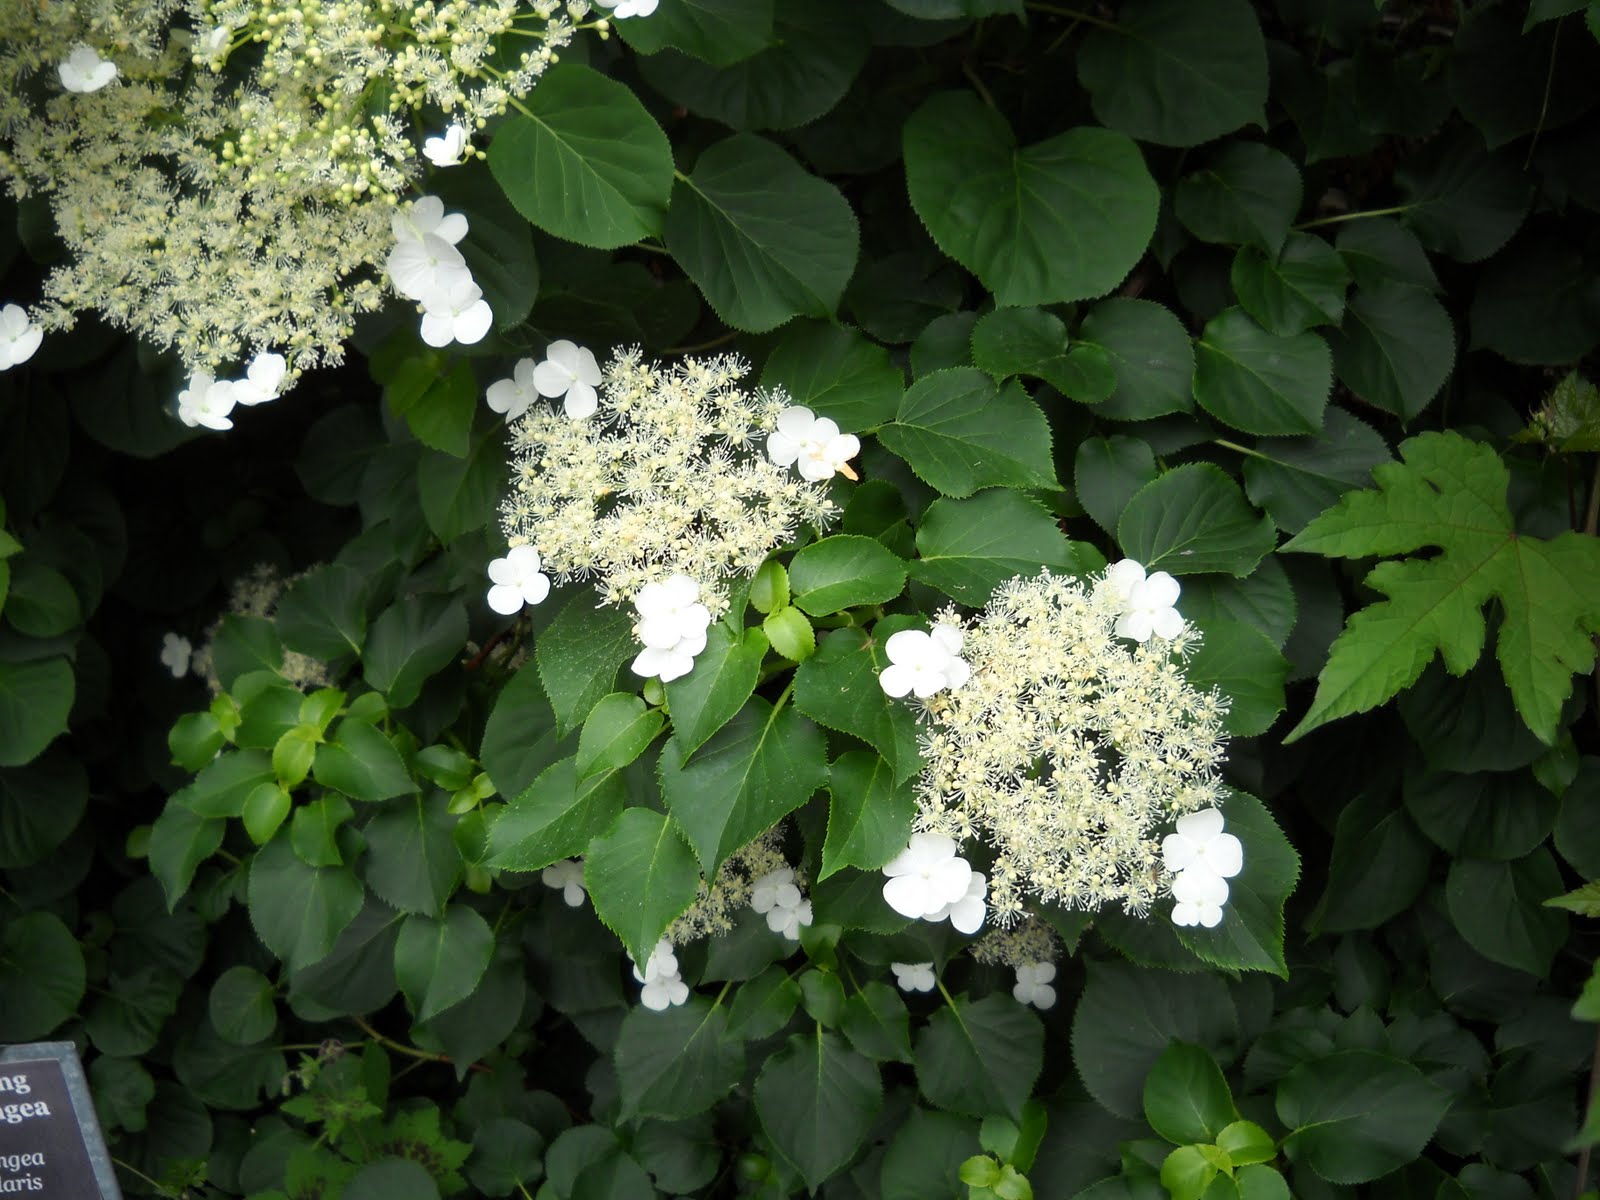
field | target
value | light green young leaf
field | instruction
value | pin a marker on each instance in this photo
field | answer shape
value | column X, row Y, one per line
column 1450, row 493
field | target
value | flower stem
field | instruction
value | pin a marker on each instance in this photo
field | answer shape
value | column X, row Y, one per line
column 1338, row 218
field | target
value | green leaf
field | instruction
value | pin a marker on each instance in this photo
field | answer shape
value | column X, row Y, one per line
column 869, row 814
column 837, row 373
column 720, row 32
column 1247, row 195
column 1152, row 356
column 554, row 818
column 1585, row 901
column 1290, row 291
column 677, row 1063
column 1538, row 303
column 1186, row 1098
column 40, row 806
column 41, row 975
column 1297, row 479
column 1263, row 600
column 762, row 238
column 980, row 1057
column 41, row 603
column 1245, row 1142
column 764, row 1005
column 817, row 1100
column 923, row 1158
column 877, row 1024
column 587, row 163
column 1449, row 492
column 241, row 1005
column 264, row 810
column 1377, row 869
column 35, row 698
column 1258, row 381
column 615, row 733
column 1176, row 74
column 391, row 1179
column 1395, row 349
column 122, row 1091
column 578, row 657
column 313, row 830
column 966, row 548
column 1499, row 815
column 1192, row 520
column 363, row 764
column 1031, row 341
column 724, row 676
column 1356, row 1115
column 1127, row 1016
column 297, row 910
column 462, row 495
column 180, row 840
column 1378, row 250
column 412, row 863
column 760, row 766
column 838, row 687
column 1461, row 201
column 438, row 962
column 323, row 613
column 437, row 397
column 641, row 876
column 1106, row 474
column 1247, row 668
column 807, row 64
column 960, row 432
column 844, row 571
column 222, row 786
column 1064, row 219
column 1250, row 937
column 413, row 639
column 505, row 1152
column 1499, row 908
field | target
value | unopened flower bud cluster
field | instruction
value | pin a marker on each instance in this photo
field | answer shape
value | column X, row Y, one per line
column 223, row 172
column 1070, row 749
column 665, row 475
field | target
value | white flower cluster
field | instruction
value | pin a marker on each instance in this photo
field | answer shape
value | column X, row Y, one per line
column 223, row 172
column 929, row 880
column 1202, row 859
column 672, row 628
column 663, row 986
column 19, row 336
column 1067, row 748
column 425, row 266
column 778, row 897
column 659, row 474
column 566, row 877
column 208, row 401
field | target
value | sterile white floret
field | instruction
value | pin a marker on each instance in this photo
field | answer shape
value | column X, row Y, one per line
column 913, row 977
column 517, row 581
column 567, row 878
column 812, row 444
column 924, row 664
column 569, row 370
column 1033, row 985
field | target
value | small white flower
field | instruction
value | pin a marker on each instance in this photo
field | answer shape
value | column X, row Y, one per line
column 814, row 444
column 567, row 878
column 213, row 41
column 789, row 921
column 968, row 911
column 924, row 663
column 513, row 396
column 517, row 581
column 206, row 401
column 446, row 149
column 1033, row 985
column 1199, row 896
column 669, row 611
column 175, row 652
column 926, row 877
column 19, row 336
column 662, row 986
column 456, row 313
column 662, row 962
column 421, row 268
column 426, row 215
column 569, row 370
column 776, row 889
column 1147, row 602
column 1200, row 844
column 913, row 977
column 83, row 70
column 628, row 8
column 263, row 380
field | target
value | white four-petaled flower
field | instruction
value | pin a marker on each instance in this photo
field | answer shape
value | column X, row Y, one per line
column 1203, row 859
column 1033, row 985
column 175, row 652
column 813, row 444
column 569, row 370
column 924, row 663
column 566, row 877
column 517, row 581
column 262, row 381
column 207, row 401
column 622, row 9
column 456, row 312
column 446, row 149
column 929, row 880
column 777, row 895
column 913, row 977
column 19, row 336
column 672, row 626
column 1147, row 601
column 426, row 215
column 663, row 987
column 83, row 70
column 514, row 396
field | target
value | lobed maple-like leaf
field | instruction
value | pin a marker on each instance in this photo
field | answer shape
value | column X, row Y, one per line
column 1449, row 492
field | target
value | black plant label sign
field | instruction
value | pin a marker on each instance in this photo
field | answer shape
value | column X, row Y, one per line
column 49, row 1135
